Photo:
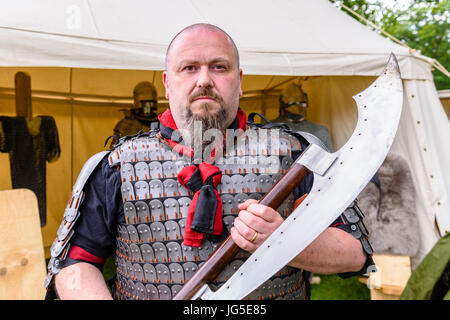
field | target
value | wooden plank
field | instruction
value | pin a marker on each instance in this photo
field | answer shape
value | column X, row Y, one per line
column 390, row 280
column 22, row 261
column 376, row 294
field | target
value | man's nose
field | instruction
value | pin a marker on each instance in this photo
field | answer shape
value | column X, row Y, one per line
column 204, row 79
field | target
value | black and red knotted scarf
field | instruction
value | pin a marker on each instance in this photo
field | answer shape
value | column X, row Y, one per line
column 205, row 210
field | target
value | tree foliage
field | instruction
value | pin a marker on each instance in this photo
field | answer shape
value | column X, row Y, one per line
column 423, row 25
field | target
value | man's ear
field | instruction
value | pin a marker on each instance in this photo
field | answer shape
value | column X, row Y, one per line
column 240, row 82
column 165, row 80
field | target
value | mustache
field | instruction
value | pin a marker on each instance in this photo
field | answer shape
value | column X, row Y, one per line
column 205, row 92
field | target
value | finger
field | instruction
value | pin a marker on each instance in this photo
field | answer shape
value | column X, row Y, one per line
column 255, row 222
column 264, row 212
column 242, row 242
column 244, row 205
column 245, row 230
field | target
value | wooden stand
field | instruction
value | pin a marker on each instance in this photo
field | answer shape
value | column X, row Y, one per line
column 22, row 261
column 390, row 280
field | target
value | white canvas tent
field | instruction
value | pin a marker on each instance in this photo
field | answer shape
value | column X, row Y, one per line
column 85, row 56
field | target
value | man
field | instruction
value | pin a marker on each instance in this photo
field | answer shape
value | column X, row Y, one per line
column 161, row 232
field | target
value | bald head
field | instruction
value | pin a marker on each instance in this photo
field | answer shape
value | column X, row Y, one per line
column 202, row 79
column 201, row 26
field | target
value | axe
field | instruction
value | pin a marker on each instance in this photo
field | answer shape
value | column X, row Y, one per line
column 338, row 178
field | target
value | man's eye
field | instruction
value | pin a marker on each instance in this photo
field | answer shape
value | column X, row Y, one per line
column 219, row 67
column 189, row 68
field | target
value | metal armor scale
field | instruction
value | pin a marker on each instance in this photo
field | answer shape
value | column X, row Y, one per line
column 151, row 260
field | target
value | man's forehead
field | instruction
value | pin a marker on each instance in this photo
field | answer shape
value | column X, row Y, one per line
column 199, row 37
column 189, row 40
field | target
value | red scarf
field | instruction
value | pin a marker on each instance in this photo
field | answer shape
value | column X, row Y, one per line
column 205, row 210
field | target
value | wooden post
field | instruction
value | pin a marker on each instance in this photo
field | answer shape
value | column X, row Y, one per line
column 23, row 95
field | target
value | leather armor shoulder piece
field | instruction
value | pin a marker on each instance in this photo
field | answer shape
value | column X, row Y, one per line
column 313, row 139
column 301, row 135
column 140, row 147
column 61, row 245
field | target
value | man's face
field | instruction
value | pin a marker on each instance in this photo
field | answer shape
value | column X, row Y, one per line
column 202, row 80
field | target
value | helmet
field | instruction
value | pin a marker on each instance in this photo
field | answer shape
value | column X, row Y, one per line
column 294, row 99
column 145, row 96
column 294, row 94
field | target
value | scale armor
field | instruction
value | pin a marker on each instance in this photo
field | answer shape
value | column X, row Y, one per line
column 151, row 260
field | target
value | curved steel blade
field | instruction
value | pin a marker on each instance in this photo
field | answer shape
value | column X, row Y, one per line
column 379, row 109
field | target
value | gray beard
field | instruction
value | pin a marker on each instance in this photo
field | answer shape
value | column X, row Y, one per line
column 197, row 125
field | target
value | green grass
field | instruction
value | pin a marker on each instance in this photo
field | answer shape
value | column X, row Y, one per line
column 332, row 287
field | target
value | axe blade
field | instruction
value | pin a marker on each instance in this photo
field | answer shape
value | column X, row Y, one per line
column 346, row 173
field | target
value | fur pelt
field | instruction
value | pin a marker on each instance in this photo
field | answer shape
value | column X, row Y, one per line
column 396, row 232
